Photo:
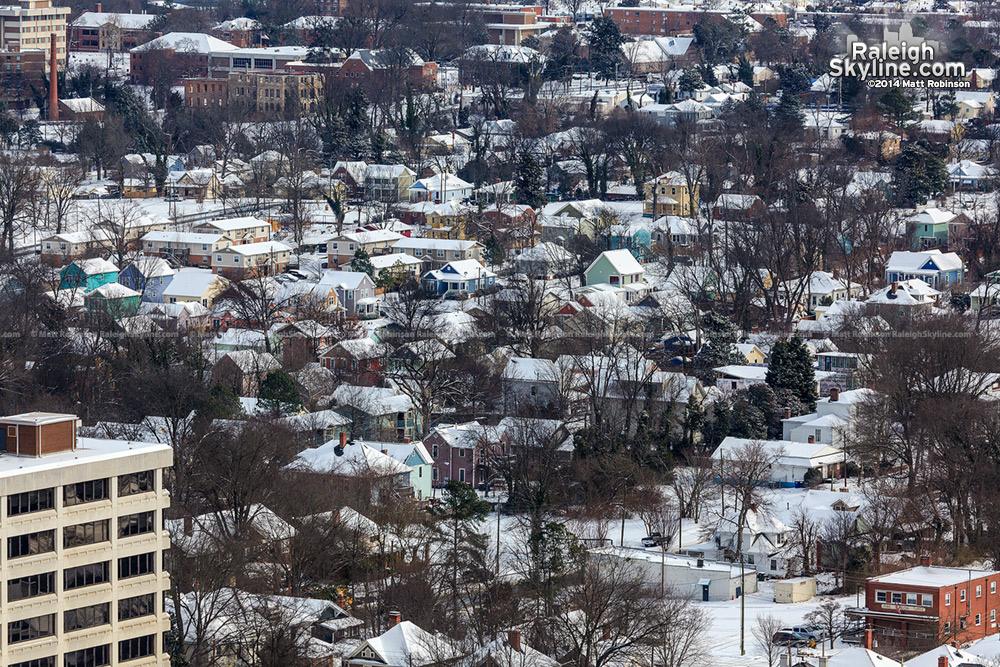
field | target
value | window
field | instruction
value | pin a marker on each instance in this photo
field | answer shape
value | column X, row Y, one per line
column 947, row 627
column 136, row 566
column 911, row 598
column 30, row 501
column 37, row 662
column 461, row 452
column 961, row 595
column 137, row 482
column 927, row 600
column 133, row 649
column 879, row 596
column 95, row 656
column 31, row 586
column 86, row 575
column 461, row 474
column 993, row 587
column 85, row 492
column 897, row 598
column 434, row 451
column 979, row 619
column 31, row 544
column 141, row 605
column 947, row 599
column 136, row 524
column 85, row 533
column 774, row 564
column 87, row 617
column 434, row 474
column 979, row 591
column 31, row 628
column 993, row 615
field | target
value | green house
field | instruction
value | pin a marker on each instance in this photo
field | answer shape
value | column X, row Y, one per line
column 113, row 300
column 88, row 274
column 614, row 267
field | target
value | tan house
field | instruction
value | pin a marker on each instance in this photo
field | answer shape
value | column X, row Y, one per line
column 374, row 242
column 238, row 231
column 194, row 285
column 197, row 184
column 251, row 259
column 186, row 248
column 670, row 194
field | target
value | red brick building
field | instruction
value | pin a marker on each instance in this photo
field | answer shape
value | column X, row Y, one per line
column 366, row 65
column 926, row 606
column 670, row 21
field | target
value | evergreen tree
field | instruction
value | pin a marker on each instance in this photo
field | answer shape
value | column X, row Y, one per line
column 606, row 41
column 719, row 336
column 918, row 174
column 690, row 80
column 493, row 251
column 789, row 114
column 460, row 512
column 362, row 263
column 791, row 367
column 529, row 180
column 563, row 55
column 898, row 106
column 278, row 393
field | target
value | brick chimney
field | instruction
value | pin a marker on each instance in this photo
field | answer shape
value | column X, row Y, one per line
column 788, row 413
column 406, row 441
column 836, row 274
column 343, row 439
column 942, row 661
column 98, row 8
column 53, row 79
column 514, row 639
column 895, row 286
column 834, row 395
column 812, row 440
column 394, row 618
column 925, row 560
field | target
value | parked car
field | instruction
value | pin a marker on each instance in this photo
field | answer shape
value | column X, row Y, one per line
column 790, row 638
column 653, row 540
column 814, row 632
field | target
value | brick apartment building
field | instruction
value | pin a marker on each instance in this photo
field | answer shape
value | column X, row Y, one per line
column 927, row 605
column 100, row 31
column 670, row 21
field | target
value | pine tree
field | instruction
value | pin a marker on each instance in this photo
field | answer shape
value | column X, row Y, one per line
column 529, row 180
column 278, row 393
column 791, row 367
column 362, row 263
column 718, row 346
column 606, row 41
column 493, row 251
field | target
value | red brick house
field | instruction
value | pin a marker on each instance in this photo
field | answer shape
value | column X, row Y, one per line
column 362, row 358
column 368, row 65
column 927, row 605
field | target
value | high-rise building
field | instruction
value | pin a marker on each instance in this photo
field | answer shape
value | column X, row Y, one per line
column 29, row 25
column 82, row 545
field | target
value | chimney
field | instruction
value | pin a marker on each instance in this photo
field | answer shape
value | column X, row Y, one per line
column 812, row 440
column 755, row 330
column 895, row 286
column 406, row 441
column 514, row 639
column 834, row 395
column 340, row 599
column 788, row 413
column 98, row 8
column 836, row 274
column 701, row 562
column 188, row 526
column 385, row 451
column 394, row 618
column 53, row 79
column 925, row 560
column 343, row 439
column 868, row 637
column 824, row 661
column 942, row 661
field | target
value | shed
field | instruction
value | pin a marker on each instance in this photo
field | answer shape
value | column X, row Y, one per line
column 799, row 589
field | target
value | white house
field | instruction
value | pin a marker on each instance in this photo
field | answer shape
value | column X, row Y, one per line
column 439, row 189
column 831, row 422
column 792, row 460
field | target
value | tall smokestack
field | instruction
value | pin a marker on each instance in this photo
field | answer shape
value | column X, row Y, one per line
column 53, row 80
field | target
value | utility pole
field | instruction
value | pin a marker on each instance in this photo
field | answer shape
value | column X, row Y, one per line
column 498, row 536
column 743, row 607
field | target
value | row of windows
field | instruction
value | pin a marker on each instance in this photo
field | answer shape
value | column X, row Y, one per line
column 926, row 599
column 98, row 656
column 79, row 493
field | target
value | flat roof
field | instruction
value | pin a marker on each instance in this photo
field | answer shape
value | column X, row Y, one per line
column 38, row 418
column 88, row 450
column 933, row 576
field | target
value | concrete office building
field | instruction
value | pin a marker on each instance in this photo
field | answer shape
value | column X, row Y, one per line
column 82, row 539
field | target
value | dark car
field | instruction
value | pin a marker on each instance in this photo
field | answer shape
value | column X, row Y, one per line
column 653, row 540
column 790, row 638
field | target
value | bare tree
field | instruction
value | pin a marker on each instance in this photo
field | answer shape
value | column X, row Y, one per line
column 763, row 633
column 743, row 472
column 19, row 179
column 829, row 616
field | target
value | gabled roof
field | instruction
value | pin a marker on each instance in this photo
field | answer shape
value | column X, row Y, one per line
column 151, row 267
column 113, row 291
column 128, row 21
column 407, row 645
column 191, row 282
column 234, row 224
column 526, row 369
column 622, row 261
column 195, row 42
column 929, row 261
column 355, row 458
column 94, row 266
column 466, row 269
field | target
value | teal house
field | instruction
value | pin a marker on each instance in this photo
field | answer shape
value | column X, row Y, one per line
column 615, row 267
column 113, row 300
column 415, row 455
column 635, row 238
column 88, row 274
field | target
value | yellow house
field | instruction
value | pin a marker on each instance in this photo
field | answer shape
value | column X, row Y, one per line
column 669, row 194
column 137, row 188
column 751, row 353
column 447, row 221
column 193, row 284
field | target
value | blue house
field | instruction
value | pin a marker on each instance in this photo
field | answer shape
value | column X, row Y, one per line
column 636, row 238
column 937, row 269
column 148, row 276
column 465, row 276
column 88, row 274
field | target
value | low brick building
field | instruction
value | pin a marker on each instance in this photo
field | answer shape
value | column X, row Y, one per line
column 927, row 605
